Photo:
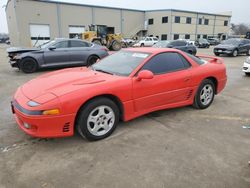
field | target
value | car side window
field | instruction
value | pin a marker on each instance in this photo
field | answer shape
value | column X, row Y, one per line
column 62, row 44
column 165, row 62
column 75, row 44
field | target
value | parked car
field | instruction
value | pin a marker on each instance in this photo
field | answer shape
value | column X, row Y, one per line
column 246, row 67
column 233, row 47
column 128, row 42
column 177, row 44
column 147, row 41
column 213, row 41
column 56, row 53
column 202, row 43
column 122, row 86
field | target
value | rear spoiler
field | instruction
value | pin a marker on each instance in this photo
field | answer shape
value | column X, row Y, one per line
column 212, row 58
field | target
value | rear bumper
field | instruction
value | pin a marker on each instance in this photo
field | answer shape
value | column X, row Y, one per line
column 246, row 67
column 221, row 85
column 44, row 126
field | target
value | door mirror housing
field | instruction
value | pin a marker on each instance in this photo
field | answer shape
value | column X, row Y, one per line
column 52, row 48
column 145, row 74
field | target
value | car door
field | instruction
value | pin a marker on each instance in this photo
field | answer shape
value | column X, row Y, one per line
column 79, row 51
column 244, row 46
column 148, row 42
column 170, row 84
column 57, row 53
column 181, row 45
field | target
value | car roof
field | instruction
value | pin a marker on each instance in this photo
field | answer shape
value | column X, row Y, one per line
column 151, row 50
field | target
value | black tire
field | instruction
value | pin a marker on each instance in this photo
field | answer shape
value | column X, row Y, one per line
column 235, row 53
column 28, row 65
column 217, row 54
column 248, row 52
column 92, row 60
column 247, row 73
column 85, row 112
column 142, row 44
column 116, row 46
column 198, row 103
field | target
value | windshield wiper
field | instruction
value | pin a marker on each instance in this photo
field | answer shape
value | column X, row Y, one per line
column 100, row 70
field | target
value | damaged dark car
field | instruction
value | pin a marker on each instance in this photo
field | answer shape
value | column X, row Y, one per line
column 56, row 53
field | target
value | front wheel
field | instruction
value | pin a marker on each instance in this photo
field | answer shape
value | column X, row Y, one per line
column 98, row 119
column 205, row 95
column 235, row 53
column 92, row 60
column 28, row 65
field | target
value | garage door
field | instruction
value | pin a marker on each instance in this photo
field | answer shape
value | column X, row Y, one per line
column 76, row 31
column 39, row 34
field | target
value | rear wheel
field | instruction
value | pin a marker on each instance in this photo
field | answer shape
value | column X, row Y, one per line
column 205, row 95
column 28, row 65
column 92, row 60
column 142, row 44
column 97, row 119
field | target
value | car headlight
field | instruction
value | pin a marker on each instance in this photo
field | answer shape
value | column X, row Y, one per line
column 33, row 104
column 248, row 60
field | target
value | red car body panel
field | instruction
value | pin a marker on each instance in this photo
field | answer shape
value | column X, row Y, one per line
column 69, row 89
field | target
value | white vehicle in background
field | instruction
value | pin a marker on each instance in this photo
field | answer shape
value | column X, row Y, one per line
column 246, row 67
column 147, row 41
column 191, row 42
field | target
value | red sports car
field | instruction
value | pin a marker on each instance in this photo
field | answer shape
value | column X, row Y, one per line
column 122, row 86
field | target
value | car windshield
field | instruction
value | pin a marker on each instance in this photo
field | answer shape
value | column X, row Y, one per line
column 47, row 44
column 121, row 63
column 161, row 44
column 231, row 41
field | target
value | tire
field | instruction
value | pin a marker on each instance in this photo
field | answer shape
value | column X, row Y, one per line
column 204, row 95
column 116, row 46
column 93, row 119
column 235, row 53
column 97, row 42
column 28, row 65
column 142, row 44
column 92, row 60
column 217, row 54
column 247, row 73
column 248, row 52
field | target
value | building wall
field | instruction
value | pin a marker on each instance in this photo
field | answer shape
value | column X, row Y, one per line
column 12, row 23
column 59, row 16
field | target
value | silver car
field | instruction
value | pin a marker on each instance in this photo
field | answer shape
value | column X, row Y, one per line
column 56, row 53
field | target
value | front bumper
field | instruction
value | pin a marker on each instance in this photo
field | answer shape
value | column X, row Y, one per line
column 14, row 63
column 42, row 126
column 246, row 67
column 223, row 51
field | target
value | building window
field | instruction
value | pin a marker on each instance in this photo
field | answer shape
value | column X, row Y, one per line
column 150, row 21
column 177, row 19
column 187, row 36
column 225, row 23
column 205, row 36
column 165, row 19
column 206, row 22
column 188, row 20
column 198, row 36
column 176, row 36
column 200, row 21
column 164, row 37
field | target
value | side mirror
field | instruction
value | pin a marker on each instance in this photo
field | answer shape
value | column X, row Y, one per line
column 52, row 48
column 145, row 74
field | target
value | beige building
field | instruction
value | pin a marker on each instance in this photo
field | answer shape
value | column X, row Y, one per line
column 33, row 22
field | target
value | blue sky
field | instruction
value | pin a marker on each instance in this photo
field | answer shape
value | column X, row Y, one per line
column 239, row 8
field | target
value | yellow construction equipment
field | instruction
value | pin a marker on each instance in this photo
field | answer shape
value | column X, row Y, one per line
column 98, row 34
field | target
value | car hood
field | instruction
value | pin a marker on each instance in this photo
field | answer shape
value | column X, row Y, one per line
column 225, row 46
column 63, row 81
column 21, row 50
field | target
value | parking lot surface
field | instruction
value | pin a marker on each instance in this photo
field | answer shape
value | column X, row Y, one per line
column 181, row 147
